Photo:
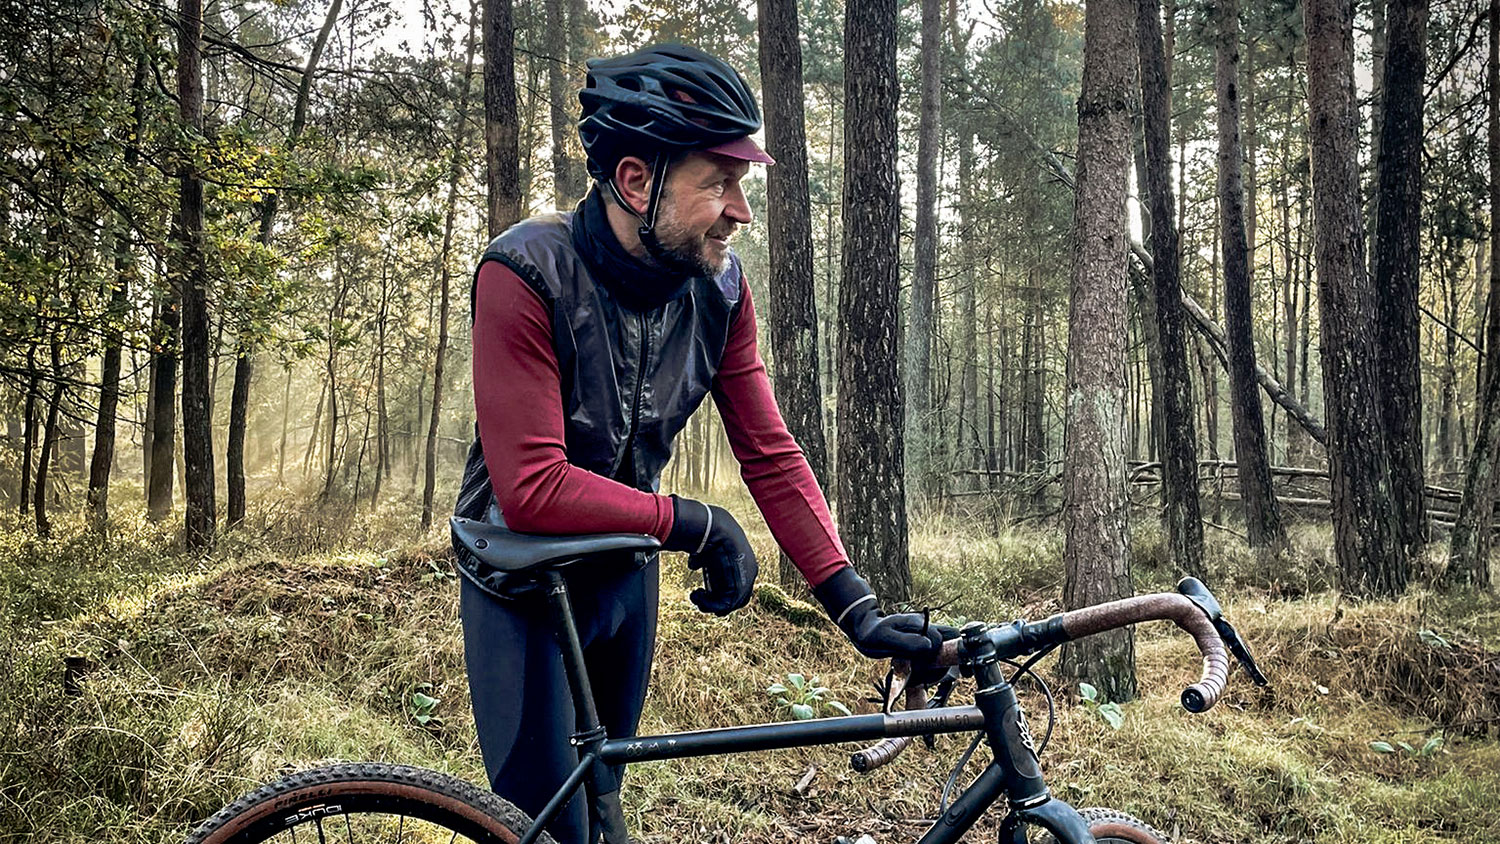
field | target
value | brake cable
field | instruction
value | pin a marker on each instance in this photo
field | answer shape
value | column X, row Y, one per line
column 1025, row 668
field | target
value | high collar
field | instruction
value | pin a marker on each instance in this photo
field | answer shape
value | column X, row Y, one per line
column 638, row 285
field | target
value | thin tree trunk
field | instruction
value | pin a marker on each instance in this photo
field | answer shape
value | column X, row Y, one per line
column 566, row 189
column 164, row 414
column 793, row 298
column 191, row 281
column 925, row 243
column 1398, row 259
column 1370, row 555
column 501, row 125
column 1262, row 518
column 1469, row 551
column 1179, row 453
column 1096, row 550
column 455, row 170
column 286, row 417
column 871, row 479
column 49, row 442
column 244, row 365
column 28, row 428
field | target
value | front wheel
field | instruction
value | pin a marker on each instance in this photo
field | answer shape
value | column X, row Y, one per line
column 367, row 802
column 1111, row 827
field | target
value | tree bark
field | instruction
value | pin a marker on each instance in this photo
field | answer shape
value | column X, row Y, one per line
column 501, row 119
column 1469, row 549
column 455, row 170
column 191, row 283
column 1179, row 453
column 793, row 298
column 925, row 242
column 567, row 184
column 1397, row 261
column 1262, row 519
column 871, row 478
column 49, row 442
column 1369, row 551
column 1097, row 551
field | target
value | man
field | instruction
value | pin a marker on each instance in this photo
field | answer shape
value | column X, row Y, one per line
column 596, row 334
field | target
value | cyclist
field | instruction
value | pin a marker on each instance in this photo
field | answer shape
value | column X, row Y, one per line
column 596, row 334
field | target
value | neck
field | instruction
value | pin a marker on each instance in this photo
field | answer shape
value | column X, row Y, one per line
column 626, row 227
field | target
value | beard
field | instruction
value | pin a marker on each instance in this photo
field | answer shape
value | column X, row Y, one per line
column 687, row 252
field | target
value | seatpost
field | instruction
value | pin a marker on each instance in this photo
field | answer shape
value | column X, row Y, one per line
column 589, row 734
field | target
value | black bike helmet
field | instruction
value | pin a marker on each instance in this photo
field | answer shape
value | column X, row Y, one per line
column 668, row 98
column 659, row 101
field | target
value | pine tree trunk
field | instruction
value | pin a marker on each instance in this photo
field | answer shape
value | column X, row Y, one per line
column 1096, row 551
column 793, row 299
column 501, row 127
column 191, row 280
column 561, row 99
column 919, row 464
column 1397, row 262
column 455, row 170
column 1469, row 551
column 164, row 412
column 1368, row 548
column 49, row 442
column 1179, row 452
column 871, row 479
column 1262, row 518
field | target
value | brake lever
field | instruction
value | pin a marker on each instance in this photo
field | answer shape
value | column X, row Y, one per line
column 1193, row 589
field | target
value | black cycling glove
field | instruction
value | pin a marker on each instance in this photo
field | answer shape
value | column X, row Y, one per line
column 716, row 544
column 853, row 607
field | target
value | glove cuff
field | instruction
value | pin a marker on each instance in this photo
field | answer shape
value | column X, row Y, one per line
column 691, row 522
column 845, row 595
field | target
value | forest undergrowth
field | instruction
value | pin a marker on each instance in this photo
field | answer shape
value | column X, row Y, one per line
column 145, row 688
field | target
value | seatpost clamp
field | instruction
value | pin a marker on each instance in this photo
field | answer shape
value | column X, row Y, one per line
column 586, row 737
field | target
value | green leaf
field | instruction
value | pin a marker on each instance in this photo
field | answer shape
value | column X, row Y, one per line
column 1406, row 747
column 775, row 689
column 1432, row 640
column 797, row 681
column 1431, row 746
column 423, row 702
column 1088, row 692
column 1382, row 747
column 802, row 711
column 820, row 690
column 1112, row 713
column 842, row 709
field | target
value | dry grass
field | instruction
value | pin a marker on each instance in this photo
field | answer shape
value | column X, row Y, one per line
column 210, row 676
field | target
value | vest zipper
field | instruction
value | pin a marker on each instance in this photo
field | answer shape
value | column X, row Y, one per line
column 635, row 408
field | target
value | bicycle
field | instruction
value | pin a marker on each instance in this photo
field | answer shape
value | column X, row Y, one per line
column 393, row 799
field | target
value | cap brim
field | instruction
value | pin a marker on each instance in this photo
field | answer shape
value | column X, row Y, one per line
column 744, row 149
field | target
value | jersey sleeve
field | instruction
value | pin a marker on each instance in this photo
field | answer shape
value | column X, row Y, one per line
column 771, row 463
column 519, row 406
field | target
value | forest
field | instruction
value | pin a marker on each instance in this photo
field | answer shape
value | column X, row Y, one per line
column 1063, row 300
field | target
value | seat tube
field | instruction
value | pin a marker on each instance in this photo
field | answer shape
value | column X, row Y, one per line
column 586, row 714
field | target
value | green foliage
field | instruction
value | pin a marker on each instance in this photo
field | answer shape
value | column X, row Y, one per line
column 1095, row 702
column 803, row 698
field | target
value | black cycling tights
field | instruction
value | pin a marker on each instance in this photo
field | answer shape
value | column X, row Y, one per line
column 522, row 706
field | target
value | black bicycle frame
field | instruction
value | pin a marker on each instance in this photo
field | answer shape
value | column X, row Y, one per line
column 1015, row 772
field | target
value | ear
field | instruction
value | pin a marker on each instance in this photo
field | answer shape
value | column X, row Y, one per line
column 633, row 181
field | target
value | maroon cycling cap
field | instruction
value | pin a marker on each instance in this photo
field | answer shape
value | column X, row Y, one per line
column 745, row 149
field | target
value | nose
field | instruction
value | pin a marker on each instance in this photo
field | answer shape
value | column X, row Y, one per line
column 736, row 207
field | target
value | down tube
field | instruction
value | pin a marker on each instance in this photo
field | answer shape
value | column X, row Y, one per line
column 952, row 719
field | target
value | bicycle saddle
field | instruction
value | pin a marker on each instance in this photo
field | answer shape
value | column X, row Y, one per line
column 506, row 551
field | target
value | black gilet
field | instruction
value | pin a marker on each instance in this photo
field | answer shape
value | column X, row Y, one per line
column 630, row 376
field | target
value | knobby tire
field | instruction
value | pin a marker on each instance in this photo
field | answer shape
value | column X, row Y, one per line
column 321, row 804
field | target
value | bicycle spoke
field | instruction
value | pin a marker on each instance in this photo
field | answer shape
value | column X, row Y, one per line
column 318, row 822
column 454, row 838
column 401, row 830
column 348, row 829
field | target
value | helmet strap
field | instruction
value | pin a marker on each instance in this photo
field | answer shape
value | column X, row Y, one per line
column 647, row 231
